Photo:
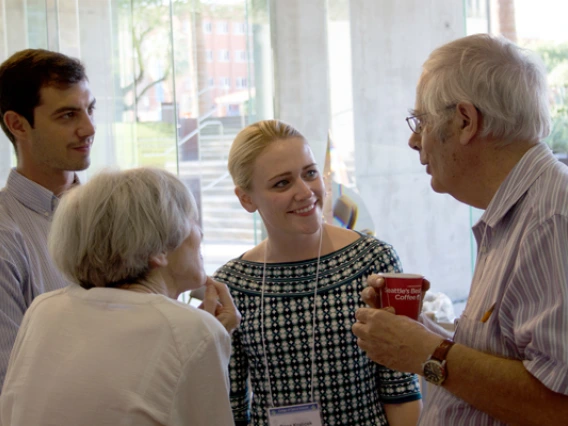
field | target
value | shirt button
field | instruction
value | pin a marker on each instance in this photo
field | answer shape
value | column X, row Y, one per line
column 46, row 214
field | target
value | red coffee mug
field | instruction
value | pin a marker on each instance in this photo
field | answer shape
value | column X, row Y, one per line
column 403, row 292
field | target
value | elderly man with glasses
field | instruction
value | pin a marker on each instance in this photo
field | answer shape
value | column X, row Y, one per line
column 480, row 118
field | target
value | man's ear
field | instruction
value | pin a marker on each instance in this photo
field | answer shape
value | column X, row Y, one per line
column 470, row 121
column 158, row 260
column 245, row 199
column 16, row 124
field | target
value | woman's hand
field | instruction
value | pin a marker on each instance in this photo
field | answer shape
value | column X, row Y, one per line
column 219, row 303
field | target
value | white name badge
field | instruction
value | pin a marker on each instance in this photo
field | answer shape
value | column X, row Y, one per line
column 295, row 415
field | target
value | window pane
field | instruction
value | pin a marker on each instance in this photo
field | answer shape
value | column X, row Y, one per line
column 164, row 97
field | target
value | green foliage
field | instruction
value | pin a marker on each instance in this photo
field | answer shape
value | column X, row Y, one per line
column 145, row 144
column 146, row 30
column 555, row 58
column 552, row 54
column 558, row 138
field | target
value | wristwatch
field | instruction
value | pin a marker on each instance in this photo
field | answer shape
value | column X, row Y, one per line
column 434, row 369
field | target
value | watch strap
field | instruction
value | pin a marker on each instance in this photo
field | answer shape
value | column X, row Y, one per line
column 441, row 352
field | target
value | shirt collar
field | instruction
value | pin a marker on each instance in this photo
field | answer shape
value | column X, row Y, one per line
column 31, row 194
column 535, row 161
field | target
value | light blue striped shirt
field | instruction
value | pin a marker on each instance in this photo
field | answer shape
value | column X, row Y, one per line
column 522, row 269
column 26, row 269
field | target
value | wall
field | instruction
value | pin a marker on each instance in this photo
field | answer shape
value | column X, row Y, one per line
column 390, row 41
column 301, row 79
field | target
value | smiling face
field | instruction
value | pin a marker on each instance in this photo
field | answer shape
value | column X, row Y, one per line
column 63, row 131
column 287, row 188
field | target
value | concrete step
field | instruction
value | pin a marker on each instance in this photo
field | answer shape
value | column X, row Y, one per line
column 215, row 143
column 227, row 235
column 217, row 210
column 207, row 156
column 233, row 220
column 228, row 199
column 212, row 145
column 223, row 218
column 216, row 191
column 226, row 184
column 229, row 229
column 227, row 223
column 224, row 210
column 228, row 210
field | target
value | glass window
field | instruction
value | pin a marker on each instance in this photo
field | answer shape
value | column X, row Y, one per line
column 152, row 113
column 538, row 26
column 224, row 82
column 240, row 56
column 222, row 27
column 239, row 27
column 224, row 55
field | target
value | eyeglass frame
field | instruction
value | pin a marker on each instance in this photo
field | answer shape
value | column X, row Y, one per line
column 418, row 124
column 414, row 123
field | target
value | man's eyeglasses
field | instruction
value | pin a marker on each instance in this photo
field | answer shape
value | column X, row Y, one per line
column 415, row 123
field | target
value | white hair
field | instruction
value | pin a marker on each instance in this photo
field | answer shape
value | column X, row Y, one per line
column 504, row 82
column 104, row 232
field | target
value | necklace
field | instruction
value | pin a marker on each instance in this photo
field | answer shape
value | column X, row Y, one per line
column 313, row 349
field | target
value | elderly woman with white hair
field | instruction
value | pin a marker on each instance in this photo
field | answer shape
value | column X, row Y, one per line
column 116, row 347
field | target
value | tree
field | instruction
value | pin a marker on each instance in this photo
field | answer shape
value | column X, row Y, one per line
column 141, row 24
column 555, row 58
column 147, row 27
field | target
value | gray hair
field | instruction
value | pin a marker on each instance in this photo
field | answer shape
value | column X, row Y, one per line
column 104, row 232
column 249, row 144
column 504, row 82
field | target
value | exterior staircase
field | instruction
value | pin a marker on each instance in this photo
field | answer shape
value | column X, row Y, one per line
column 223, row 219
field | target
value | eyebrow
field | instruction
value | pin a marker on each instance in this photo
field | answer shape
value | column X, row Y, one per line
column 68, row 108
column 288, row 173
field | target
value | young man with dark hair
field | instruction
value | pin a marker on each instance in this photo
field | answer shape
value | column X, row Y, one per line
column 46, row 110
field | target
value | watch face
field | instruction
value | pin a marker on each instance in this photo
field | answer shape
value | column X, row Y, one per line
column 434, row 371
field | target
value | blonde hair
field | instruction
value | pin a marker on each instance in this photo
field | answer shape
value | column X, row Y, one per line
column 250, row 142
column 105, row 231
column 504, row 82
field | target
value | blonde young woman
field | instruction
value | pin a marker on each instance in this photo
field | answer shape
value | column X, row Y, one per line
column 298, row 291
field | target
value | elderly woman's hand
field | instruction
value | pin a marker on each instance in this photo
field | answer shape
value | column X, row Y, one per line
column 219, row 303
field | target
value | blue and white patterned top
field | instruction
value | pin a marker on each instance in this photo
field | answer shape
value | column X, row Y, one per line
column 349, row 386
